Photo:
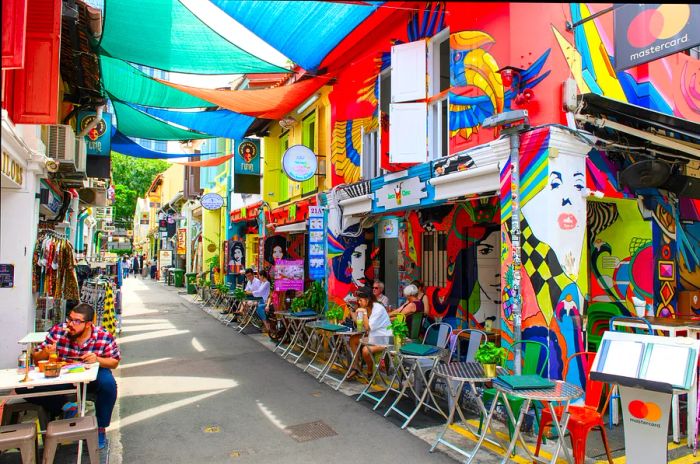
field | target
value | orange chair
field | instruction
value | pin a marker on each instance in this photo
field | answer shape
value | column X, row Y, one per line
column 582, row 419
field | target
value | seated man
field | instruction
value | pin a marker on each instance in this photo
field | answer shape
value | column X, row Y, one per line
column 252, row 288
column 79, row 339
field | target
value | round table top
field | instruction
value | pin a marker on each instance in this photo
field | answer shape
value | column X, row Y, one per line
column 442, row 353
column 562, row 391
column 292, row 317
column 463, row 371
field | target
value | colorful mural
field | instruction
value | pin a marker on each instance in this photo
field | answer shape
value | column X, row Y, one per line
column 350, row 260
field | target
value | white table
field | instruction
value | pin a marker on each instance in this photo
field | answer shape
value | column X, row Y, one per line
column 76, row 382
column 34, row 337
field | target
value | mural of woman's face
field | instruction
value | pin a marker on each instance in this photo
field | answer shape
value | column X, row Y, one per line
column 489, row 276
column 357, row 264
column 563, row 194
column 277, row 252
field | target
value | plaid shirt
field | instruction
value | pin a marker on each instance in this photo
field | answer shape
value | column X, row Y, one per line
column 100, row 342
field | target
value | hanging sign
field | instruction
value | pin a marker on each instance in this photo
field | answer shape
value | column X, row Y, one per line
column 299, row 163
column 289, row 274
column 212, row 201
column 317, row 239
column 407, row 192
column 98, row 140
column 246, row 159
column 388, row 228
column 7, row 275
column 181, row 241
column 647, row 32
column 236, row 256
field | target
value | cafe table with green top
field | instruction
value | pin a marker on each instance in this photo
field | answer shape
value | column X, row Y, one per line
column 333, row 336
column 387, row 353
column 413, row 361
column 299, row 335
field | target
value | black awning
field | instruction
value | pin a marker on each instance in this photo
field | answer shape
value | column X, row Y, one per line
column 641, row 118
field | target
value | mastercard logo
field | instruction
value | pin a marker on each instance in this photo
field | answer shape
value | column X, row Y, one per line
column 647, row 411
column 657, row 24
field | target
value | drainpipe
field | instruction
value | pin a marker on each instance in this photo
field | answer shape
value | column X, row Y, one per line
column 95, row 122
column 74, row 211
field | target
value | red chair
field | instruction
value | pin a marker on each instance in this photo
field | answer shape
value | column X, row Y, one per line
column 582, row 419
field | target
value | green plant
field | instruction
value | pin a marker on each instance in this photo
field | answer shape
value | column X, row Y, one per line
column 223, row 288
column 334, row 312
column 207, row 283
column 489, row 353
column 238, row 294
column 315, row 297
column 399, row 328
column 298, row 304
column 213, row 262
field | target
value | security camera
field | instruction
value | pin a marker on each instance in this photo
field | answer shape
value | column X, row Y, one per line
column 506, row 119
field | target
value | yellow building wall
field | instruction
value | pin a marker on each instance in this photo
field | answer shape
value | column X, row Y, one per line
column 214, row 223
column 173, row 182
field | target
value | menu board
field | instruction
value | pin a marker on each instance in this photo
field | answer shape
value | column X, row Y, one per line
column 289, row 275
column 317, row 240
column 7, row 275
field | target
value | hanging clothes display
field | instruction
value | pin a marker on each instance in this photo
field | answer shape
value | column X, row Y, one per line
column 53, row 267
column 108, row 315
column 100, row 294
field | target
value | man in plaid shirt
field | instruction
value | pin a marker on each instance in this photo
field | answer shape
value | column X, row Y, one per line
column 79, row 340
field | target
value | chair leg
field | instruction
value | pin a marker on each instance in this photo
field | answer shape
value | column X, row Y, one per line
column 28, row 452
column 605, row 443
column 93, row 448
column 540, row 435
column 50, row 445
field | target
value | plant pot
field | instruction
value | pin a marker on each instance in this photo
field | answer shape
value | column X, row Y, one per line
column 398, row 342
column 489, row 370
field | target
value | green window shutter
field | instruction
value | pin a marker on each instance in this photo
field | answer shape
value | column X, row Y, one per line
column 308, row 138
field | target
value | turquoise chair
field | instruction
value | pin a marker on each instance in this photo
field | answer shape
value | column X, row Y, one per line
column 531, row 356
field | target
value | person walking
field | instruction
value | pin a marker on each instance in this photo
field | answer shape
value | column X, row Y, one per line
column 126, row 264
column 137, row 265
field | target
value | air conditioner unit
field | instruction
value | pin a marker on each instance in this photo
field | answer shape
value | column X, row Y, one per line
column 80, row 154
column 93, row 196
column 97, row 183
column 60, row 143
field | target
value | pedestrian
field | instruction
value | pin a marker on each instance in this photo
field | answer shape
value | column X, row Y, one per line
column 146, row 266
column 126, row 264
column 137, row 265
column 78, row 339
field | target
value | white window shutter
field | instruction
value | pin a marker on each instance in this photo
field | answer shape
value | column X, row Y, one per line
column 408, row 72
column 408, row 133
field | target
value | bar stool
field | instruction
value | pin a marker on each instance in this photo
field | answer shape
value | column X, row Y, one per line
column 22, row 437
column 14, row 406
column 77, row 428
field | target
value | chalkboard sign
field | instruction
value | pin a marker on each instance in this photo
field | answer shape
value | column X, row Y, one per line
column 7, row 275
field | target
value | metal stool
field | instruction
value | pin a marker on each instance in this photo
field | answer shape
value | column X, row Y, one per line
column 14, row 406
column 78, row 428
column 21, row 436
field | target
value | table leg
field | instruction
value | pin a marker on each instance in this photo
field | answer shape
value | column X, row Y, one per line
column 516, row 429
column 455, row 396
column 352, row 362
column 390, row 383
column 335, row 350
column 404, row 385
column 692, row 411
column 675, row 417
column 561, row 427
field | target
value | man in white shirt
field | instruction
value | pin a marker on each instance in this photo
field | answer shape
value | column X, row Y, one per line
column 253, row 284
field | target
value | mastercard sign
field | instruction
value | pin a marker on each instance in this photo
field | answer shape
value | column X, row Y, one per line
column 647, row 32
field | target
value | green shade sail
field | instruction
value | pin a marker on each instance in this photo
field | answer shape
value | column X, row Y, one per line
column 128, row 84
column 134, row 123
column 164, row 34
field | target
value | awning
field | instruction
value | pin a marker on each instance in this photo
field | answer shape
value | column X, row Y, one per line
column 164, row 34
column 128, row 84
column 303, row 31
column 295, row 227
column 134, row 123
column 475, row 180
column 220, row 123
column 207, row 162
column 356, row 205
column 272, row 103
column 124, row 145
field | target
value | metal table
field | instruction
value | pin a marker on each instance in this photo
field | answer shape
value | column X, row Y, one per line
column 320, row 330
column 456, row 374
column 562, row 392
column 299, row 336
column 387, row 345
column 287, row 335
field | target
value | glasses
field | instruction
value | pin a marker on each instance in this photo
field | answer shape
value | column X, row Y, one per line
column 375, row 288
column 74, row 321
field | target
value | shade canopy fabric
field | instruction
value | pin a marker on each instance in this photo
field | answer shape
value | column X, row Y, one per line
column 126, row 83
column 304, row 31
column 164, row 34
column 272, row 103
column 135, row 123
column 124, row 145
column 207, row 162
column 219, row 123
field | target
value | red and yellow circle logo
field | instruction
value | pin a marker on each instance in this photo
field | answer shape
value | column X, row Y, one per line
column 657, row 24
column 648, row 411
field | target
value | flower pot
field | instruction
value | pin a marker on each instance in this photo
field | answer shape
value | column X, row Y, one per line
column 489, row 370
column 398, row 342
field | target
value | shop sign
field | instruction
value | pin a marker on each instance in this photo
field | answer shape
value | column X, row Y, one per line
column 103, row 213
column 165, row 258
column 212, row 201
column 108, row 228
column 647, row 32
column 299, row 163
column 406, row 192
column 98, row 140
column 12, row 169
column 182, row 241
column 246, row 159
column 7, row 275
column 388, row 228
column 289, row 275
column 51, row 200
column 317, row 240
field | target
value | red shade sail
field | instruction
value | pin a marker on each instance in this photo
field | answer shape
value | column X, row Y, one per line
column 206, row 163
column 272, row 103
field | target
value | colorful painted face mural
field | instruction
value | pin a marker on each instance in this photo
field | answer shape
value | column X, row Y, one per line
column 357, row 265
column 563, row 194
column 488, row 265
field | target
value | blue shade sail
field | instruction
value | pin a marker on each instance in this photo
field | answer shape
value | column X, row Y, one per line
column 219, row 123
column 303, row 31
column 134, row 123
column 164, row 34
column 126, row 83
column 124, row 145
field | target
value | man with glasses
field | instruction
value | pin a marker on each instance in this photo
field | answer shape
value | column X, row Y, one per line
column 378, row 291
column 78, row 339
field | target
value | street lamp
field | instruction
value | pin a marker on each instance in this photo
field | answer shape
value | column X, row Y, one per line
column 512, row 123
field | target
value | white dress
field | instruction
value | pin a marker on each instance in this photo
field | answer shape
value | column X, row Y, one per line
column 379, row 322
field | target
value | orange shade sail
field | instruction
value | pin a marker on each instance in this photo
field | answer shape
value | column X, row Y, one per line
column 272, row 103
column 206, row 163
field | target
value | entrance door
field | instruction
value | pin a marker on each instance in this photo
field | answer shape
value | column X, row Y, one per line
column 389, row 269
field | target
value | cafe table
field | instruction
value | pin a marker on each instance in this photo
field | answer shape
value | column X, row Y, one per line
column 286, row 338
column 74, row 382
column 341, row 346
column 562, row 392
column 456, row 375
column 412, row 368
column 672, row 326
column 322, row 332
column 386, row 343
column 300, row 337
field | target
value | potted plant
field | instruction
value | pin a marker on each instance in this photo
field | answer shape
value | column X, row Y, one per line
column 315, row 297
column 298, row 304
column 490, row 356
column 239, row 294
column 400, row 330
column 334, row 313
